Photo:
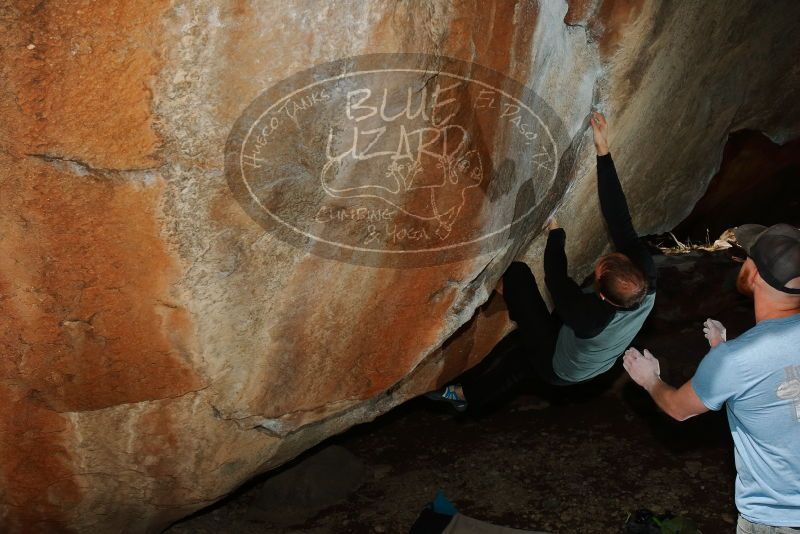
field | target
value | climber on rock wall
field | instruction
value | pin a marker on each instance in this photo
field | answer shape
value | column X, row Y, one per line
column 590, row 327
column 757, row 376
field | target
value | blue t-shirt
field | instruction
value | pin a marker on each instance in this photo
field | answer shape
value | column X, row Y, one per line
column 758, row 376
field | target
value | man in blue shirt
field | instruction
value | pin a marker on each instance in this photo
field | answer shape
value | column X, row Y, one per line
column 757, row 377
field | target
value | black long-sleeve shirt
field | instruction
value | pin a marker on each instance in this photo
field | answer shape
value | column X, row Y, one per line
column 585, row 313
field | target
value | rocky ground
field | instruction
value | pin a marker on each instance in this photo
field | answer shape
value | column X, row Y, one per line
column 565, row 461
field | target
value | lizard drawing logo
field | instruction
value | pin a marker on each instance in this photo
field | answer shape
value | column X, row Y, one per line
column 399, row 160
column 426, row 178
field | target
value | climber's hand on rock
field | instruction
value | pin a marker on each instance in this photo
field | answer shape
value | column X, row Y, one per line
column 714, row 332
column 551, row 224
column 600, row 131
column 642, row 368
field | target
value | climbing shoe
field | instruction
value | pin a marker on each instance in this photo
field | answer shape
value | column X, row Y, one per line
column 449, row 397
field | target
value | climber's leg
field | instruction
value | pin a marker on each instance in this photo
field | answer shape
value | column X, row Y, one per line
column 527, row 349
column 538, row 327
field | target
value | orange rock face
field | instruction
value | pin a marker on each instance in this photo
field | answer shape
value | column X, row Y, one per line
column 159, row 346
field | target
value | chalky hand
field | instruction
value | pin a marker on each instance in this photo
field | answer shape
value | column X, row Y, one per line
column 714, row 332
column 644, row 369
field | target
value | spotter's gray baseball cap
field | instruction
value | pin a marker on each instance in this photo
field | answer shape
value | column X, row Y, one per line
column 775, row 251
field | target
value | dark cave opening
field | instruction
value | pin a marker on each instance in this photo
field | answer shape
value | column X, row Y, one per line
column 758, row 182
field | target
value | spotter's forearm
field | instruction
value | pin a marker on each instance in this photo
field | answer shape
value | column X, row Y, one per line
column 674, row 401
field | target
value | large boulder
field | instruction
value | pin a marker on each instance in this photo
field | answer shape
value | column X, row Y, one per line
column 162, row 341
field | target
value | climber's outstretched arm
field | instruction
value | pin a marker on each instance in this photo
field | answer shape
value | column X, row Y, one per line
column 614, row 205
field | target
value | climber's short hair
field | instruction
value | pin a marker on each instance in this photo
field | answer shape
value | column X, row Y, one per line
column 620, row 281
